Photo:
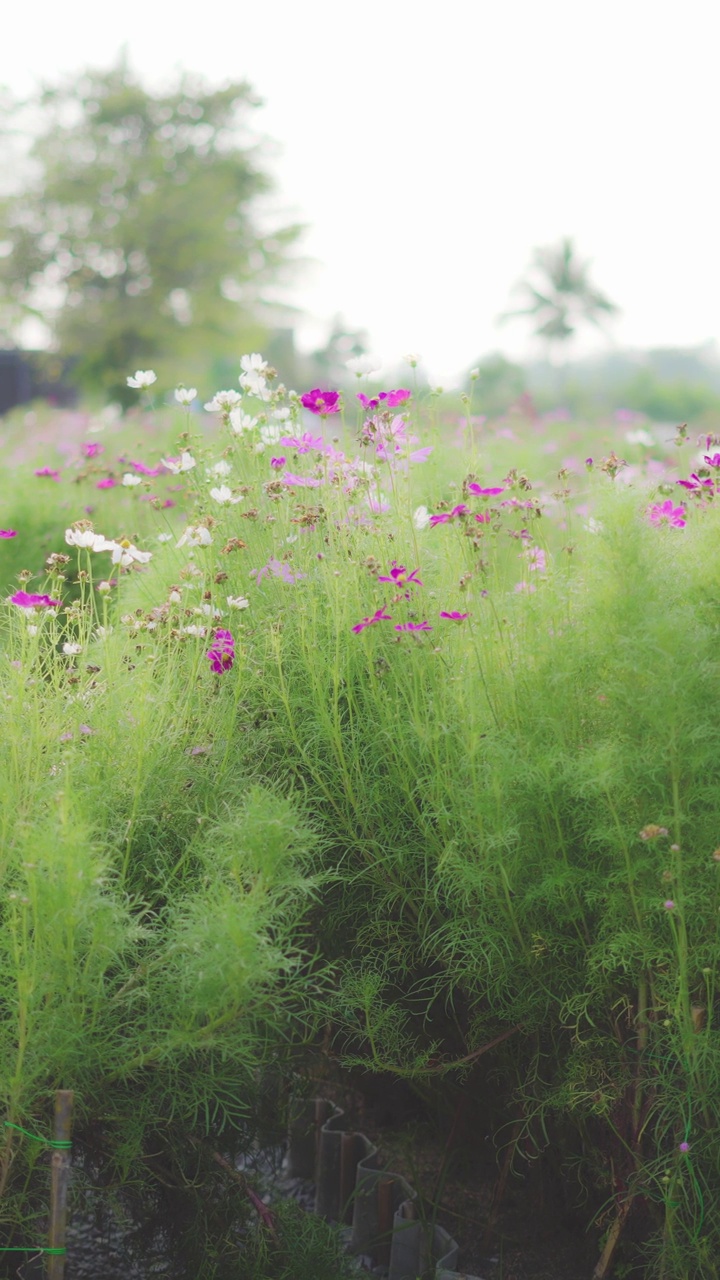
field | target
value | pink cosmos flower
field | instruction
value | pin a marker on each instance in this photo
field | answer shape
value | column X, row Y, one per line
column 142, row 470
column 413, row 626
column 529, row 587
column 400, row 577
column 278, row 463
column 48, row 471
column 669, row 905
column 712, row 460
column 484, row 493
column 92, row 448
column 277, row 569
column 221, row 654
column 420, row 455
column 483, row 517
column 321, row 402
column 300, row 482
column 446, row 516
column 8, row 533
column 108, row 483
column 367, row 403
column 684, row 1147
column 453, row 615
column 695, row 482
column 303, row 443
column 378, row 616
column 536, row 559
column 389, row 399
column 665, row 513
column 28, row 600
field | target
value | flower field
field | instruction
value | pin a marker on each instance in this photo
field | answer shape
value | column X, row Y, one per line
column 362, row 734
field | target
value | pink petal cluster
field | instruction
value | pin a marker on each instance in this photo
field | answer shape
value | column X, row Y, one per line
column 665, row 513
column 388, row 399
column 379, row 616
column 29, row 600
column 92, row 448
column 446, row 516
column 303, row 443
column 221, row 654
column 485, row 493
column 323, row 403
column 453, row 615
column 48, row 472
column 413, row 626
column 400, row 577
column 8, row 533
column 108, row 483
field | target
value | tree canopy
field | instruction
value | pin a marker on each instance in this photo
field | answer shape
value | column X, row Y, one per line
column 559, row 295
column 136, row 234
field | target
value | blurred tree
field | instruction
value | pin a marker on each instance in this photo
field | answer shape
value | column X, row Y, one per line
column 137, row 236
column 328, row 363
column 559, row 296
column 498, row 384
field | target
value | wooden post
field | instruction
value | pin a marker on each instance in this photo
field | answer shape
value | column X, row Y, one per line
column 59, row 1177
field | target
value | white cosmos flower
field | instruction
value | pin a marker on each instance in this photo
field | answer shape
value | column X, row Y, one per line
column 197, row 535
column 185, row 462
column 71, row 649
column 238, row 602
column 255, row 385
column 102, row 633
column 639, row 437
column 208, row 611
column 363, row 365
column 164, row 537
column 219, row 470
column 194, row 630
column 224, row 496
column 281, row 415
column 253, row 363
column 241, row 422
column 32, row 630
column 124, row 554
column 130, row 480
column 88, row 539
column 270, row 433
column 421, row 517
column 185, row 395
column 223, row 401
column 412, row 358
column 143, row 378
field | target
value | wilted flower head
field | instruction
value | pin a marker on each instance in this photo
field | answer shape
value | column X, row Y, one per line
column 321, row 402
column 142, row 378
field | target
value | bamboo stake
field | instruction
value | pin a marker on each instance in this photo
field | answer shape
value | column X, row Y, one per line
column 59, row 1177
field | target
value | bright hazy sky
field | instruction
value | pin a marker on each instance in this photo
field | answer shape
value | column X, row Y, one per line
column 430, row 146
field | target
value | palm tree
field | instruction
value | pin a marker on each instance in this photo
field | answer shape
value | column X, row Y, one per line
column 560, row 296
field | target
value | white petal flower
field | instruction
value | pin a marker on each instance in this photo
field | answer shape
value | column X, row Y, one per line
column 104, row 587
column 253, row 363
column 218, row 471
column 223, row 401
column 130, row 480
column 224, row 496
column 185, row 395
column 363, row 365
column 32, row 630
column 238, row 602
column 71, row 649
column 164, row 537
column 255, row 385
column 88, row 539
column 194, row 630
column 412, row 358
column 421, row 517
column 143, row 378
column 185, row 462
column 281, row 415
column 639, row 437
column 195, row 536
column 102, row 633
column 270, row 433
column 241, row 422
column 124, row 554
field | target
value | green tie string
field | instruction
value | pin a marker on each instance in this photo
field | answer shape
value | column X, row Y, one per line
column 59, row 1144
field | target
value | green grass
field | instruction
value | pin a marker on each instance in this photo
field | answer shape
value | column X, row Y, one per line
column 421, row 840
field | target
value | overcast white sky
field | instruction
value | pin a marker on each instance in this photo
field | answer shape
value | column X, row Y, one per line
column 429, row 146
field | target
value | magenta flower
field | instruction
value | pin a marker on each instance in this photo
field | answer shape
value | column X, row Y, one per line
column 221, row 654
column 484, row 493
column 669, row 905
column 378, row 616
column 712, row 460
column 413, row 626
column 8, row 533
column 91, row 448
column 303, row 443
column 446, row 516
column 278, row 463
column 48, row 471
column 536, row 559
column 108, row 483
column 665, row 513
column 321, row 402
column 300, row 482
column 28, row 600
column 696, row 483
column 400, row 577
column 148, row 471
column 453, row 615
column 394, row 398
column 684, row 1147
column 483, row 517
column 366, row 403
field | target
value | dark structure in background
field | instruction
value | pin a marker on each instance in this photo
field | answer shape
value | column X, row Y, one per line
column 34, row 375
